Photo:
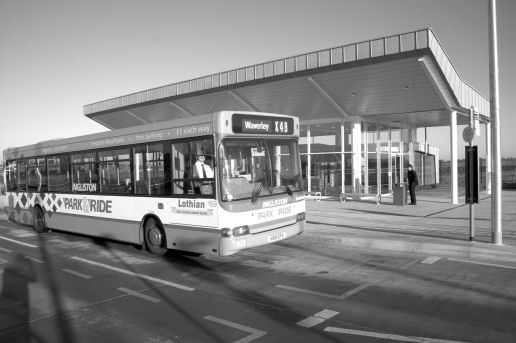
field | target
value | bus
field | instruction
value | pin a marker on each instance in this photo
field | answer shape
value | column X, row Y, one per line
column 208, row 184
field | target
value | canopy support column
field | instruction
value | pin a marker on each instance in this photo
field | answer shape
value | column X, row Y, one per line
column 453, row 156
column 488, row 158
column 357, row 157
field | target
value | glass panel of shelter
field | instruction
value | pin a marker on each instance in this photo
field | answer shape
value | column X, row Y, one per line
column 384, row 157
column 326, row 159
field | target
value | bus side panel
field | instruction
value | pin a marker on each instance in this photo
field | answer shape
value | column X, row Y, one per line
column 191, row 225
column 112, row 217
column 119, row 230
column 16, row 210
column 202, row 241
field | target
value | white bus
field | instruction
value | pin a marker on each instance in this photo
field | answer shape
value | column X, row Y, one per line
column 147, row 185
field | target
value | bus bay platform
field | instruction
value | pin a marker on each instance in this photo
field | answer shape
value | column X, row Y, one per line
column 433, row 227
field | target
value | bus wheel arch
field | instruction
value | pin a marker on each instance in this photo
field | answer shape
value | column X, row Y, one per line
column 38, row 220
column 154, row 238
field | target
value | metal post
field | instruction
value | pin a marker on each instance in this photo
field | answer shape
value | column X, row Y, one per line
column 471, row 214
column 357, row 157
column 471, row 204
column 308, row 160
column 471, row 208
column 378, row 163
column 496, row 184
column 389, row 162
column 488, row 158
column 366, row 160
column 453, row 150
column 342, row 158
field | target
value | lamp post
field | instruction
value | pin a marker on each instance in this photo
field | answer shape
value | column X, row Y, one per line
column 496, row 175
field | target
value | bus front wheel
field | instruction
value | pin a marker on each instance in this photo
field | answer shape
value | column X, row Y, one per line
column 155, row 237
column 38, row 220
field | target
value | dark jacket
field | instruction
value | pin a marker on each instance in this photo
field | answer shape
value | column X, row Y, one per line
column 412, row 178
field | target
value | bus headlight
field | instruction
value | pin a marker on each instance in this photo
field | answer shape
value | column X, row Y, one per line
column 300, row 217
column 235, row 232
column 241, row 231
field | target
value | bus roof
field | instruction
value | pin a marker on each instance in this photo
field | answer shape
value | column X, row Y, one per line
column 173, row 129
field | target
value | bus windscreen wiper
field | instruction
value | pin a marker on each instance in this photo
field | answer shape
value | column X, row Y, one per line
column 286, row 187
column 256, row 191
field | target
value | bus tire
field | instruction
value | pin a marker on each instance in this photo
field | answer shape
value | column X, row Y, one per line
column 38, row 220
column 155, row 238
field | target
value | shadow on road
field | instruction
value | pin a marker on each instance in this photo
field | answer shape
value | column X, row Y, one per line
column 15, row 301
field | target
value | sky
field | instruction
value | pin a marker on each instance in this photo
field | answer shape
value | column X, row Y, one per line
column 57, row 56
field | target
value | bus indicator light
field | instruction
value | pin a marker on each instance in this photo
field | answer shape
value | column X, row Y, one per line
column 235, row 232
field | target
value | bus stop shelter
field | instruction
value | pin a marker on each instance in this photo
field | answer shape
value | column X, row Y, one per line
column 360, row 106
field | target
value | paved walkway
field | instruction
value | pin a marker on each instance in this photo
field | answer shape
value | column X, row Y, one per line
column 433, row 226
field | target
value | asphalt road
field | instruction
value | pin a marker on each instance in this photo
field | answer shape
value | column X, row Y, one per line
column 59, row 287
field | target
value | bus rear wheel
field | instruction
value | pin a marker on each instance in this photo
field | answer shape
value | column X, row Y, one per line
column 155, row 238
column 38, row 220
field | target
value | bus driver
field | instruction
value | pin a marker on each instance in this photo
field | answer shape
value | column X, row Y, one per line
column 202, row 170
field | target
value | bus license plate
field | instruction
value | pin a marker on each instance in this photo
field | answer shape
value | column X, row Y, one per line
column 277, row 237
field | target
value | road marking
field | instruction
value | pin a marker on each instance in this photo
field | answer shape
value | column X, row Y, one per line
column 354, row 291
column 317, row 318
column 481, row 263
column 5, row 250
column 254, row 333
column 73, row 272
column 139, row 295
column 391, row 337
column 431, row 260
column 195, row 273
column 326, row 295
column 18, row 242
column 37, row 260
column 127, row 272
column 25, row 235
column 2, row 261
column 307, row 291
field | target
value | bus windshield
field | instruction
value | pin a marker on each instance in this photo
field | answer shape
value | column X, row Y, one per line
column 252, row 168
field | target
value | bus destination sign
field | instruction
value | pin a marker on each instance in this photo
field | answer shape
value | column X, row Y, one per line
column 243, row 123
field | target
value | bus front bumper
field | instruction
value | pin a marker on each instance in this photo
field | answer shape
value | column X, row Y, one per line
column 232, row 245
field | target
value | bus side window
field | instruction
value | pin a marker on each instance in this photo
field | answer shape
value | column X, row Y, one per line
column 33, row 179
column 115, row 171
column 22, row 175
column 41, row 165
column 141, row 182
column 58, row 173
column 84, row 172
column 202, row 159
column 11, row 177
column 159, row 169
column 181, row 169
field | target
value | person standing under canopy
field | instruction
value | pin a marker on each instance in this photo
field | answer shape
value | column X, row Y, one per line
column 412, row 183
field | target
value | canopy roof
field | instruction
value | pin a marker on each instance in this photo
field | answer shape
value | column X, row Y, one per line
column 406, row 79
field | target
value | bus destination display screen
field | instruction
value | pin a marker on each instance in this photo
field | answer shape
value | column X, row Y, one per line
column 243, row 123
